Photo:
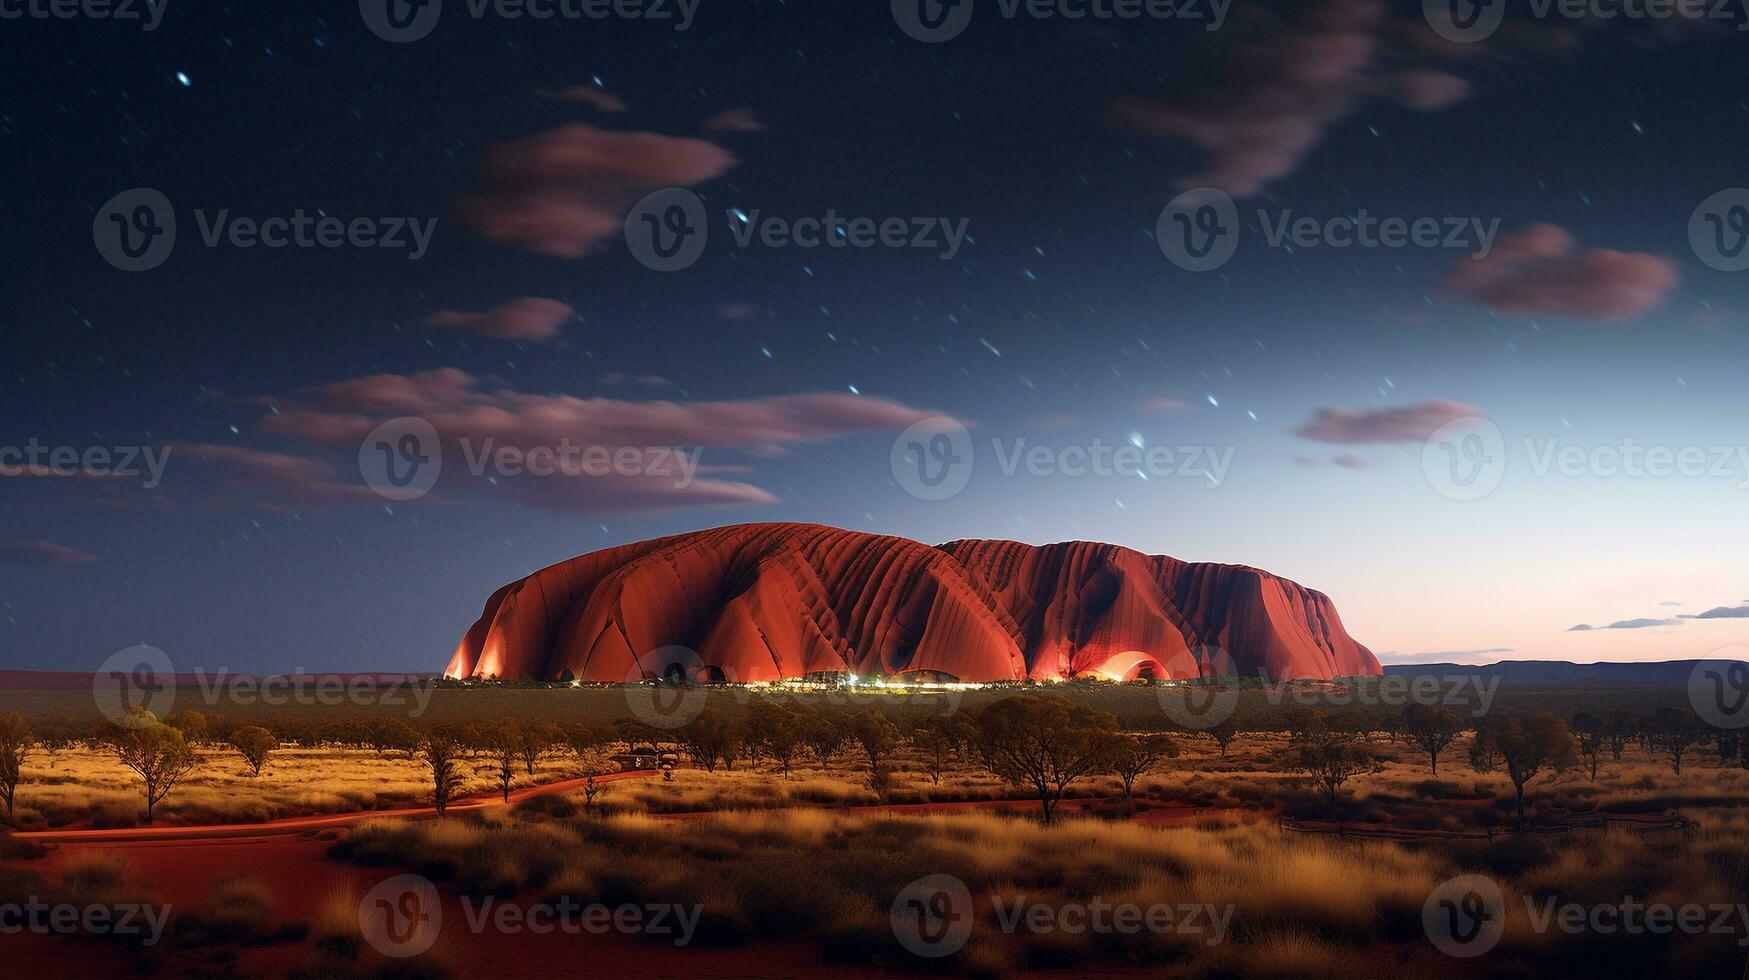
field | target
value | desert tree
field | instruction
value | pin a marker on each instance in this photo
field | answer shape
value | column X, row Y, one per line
column 709, row 738
column 16, row 742
column 587, row 741
column 441, row 750
column 538, row 739
column 1432, row 729
column 1223, row 733
column 192, row 724
column 593, row 788
column 1045, row 743
column 254, row 744
column 1301, row 722
column 1530, row 745
column 781, row 732
column 1484, row 754
column 1617, row 733
column 153, row 751
column 876, row 735
column 1672, row 733
column 503, row 745
column 1589, row 736
column 1133, row 756
column 939, row 738
column 826, row 735
column 1330, row 758
column 385, row 735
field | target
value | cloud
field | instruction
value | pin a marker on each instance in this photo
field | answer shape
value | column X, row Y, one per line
column 1722, row 612
column 41, row 553
column 1626, row 624
column 1405, row 423
column 585, row 94
column 1539, row 271
column 565, row 191
column 298, row 478
column 1427, row 90
column 641, row 437
column 1349, row 461
column 1257, row 107
column 1164, row 406
column 734, row 121
column 528, row 318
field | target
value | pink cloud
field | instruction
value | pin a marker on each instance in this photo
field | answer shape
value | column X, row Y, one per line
column 528, row 318
column 41, row 553
column 1428, row 90
column 1164, row 406
column 460, row 407
column 1540, row 271
column 1405, row 423
column 298, row 478
column 734, row 121
column 565, row 191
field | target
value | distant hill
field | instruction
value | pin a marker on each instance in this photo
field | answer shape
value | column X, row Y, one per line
column 1563, row 673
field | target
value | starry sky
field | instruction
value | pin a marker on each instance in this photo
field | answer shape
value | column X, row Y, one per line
column 1335, row 383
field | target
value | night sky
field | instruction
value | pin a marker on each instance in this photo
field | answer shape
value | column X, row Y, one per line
column 1595, row 320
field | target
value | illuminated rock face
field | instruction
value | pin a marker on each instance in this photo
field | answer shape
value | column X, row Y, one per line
column 765, row 602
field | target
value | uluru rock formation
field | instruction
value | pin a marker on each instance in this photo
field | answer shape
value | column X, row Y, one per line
column 765, row 602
